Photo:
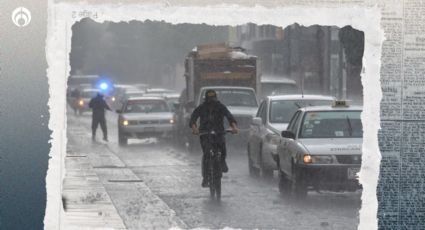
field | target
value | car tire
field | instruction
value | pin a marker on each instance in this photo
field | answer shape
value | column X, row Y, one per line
column 122, row 140
column 254, row 172
column 299, row 189
column 284, row 184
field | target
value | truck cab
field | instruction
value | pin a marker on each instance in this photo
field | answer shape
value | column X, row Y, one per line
column 241, row 102
column 229, row 71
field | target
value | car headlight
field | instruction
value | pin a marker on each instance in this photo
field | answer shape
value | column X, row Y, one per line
column 307, row 159
column 171, row 121
column 326, row 159
column 113, row 98
column 273, row 139
column 81, row 102
column 125, row 122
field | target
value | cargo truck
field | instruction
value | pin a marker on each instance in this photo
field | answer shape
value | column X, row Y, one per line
column 235, row 77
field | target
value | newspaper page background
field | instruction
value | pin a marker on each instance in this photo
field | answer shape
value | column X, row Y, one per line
column 401, row 181
column 400, row 191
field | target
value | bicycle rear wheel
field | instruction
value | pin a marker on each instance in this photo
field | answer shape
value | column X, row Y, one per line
column 211, row 177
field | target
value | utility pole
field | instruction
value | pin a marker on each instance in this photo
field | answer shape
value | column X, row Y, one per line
column 344, row 75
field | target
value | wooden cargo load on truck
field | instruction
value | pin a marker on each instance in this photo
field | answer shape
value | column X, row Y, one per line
column 219, row 65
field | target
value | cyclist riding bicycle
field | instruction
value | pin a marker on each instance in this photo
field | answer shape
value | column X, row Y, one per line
column 211, row 113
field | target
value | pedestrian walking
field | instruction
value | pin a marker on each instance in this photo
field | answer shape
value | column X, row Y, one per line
column 98, row 105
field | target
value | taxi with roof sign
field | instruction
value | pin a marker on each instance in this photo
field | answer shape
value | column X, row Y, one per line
column 321, row 149
column 271, row 119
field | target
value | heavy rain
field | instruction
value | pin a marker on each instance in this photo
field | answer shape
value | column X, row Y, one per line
column 296, row 96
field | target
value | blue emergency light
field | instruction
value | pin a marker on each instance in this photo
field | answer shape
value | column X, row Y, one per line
column 105, row 86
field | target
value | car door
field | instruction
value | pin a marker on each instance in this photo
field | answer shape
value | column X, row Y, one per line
column 263, row 130
column 286, row 148
column 254, row 136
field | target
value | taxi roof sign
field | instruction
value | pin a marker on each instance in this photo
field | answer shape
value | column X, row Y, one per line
column 340, row 103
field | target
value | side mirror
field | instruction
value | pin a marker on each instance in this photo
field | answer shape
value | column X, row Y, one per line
column 257, row 121
column 288, row 134
column 119, row 111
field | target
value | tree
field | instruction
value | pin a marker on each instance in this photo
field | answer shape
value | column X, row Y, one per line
column 353, row 42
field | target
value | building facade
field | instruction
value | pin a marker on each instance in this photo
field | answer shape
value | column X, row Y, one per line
column 312, row 56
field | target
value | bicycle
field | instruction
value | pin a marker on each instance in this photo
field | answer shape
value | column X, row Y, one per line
column 214, row 163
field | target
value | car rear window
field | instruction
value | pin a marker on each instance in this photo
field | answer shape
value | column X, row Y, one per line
column 331, row 124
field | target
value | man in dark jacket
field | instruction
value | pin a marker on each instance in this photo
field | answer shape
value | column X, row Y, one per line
column 98, row 105
column 211, row 114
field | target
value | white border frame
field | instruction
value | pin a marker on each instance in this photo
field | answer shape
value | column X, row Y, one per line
column 366, row 19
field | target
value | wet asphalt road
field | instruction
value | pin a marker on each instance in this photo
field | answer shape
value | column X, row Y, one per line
column 173, row 175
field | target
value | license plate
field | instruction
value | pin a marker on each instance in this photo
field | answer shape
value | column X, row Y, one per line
column 149, row 129
column 351, row 173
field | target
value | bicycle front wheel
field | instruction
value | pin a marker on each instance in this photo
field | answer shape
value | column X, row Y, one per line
column 217, row 187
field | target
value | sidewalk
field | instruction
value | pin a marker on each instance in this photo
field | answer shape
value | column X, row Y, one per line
column 86, row 202
column 100, row 192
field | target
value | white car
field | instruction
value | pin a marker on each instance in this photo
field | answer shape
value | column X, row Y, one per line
column 321, row 150
column 142, row 117
column 119, row 92
column 271, row 119
column 277, row 85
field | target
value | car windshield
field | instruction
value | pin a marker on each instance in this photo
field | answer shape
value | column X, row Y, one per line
column 146, row 106
column 281, row 111
column 236, row 97
column 332, row 124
